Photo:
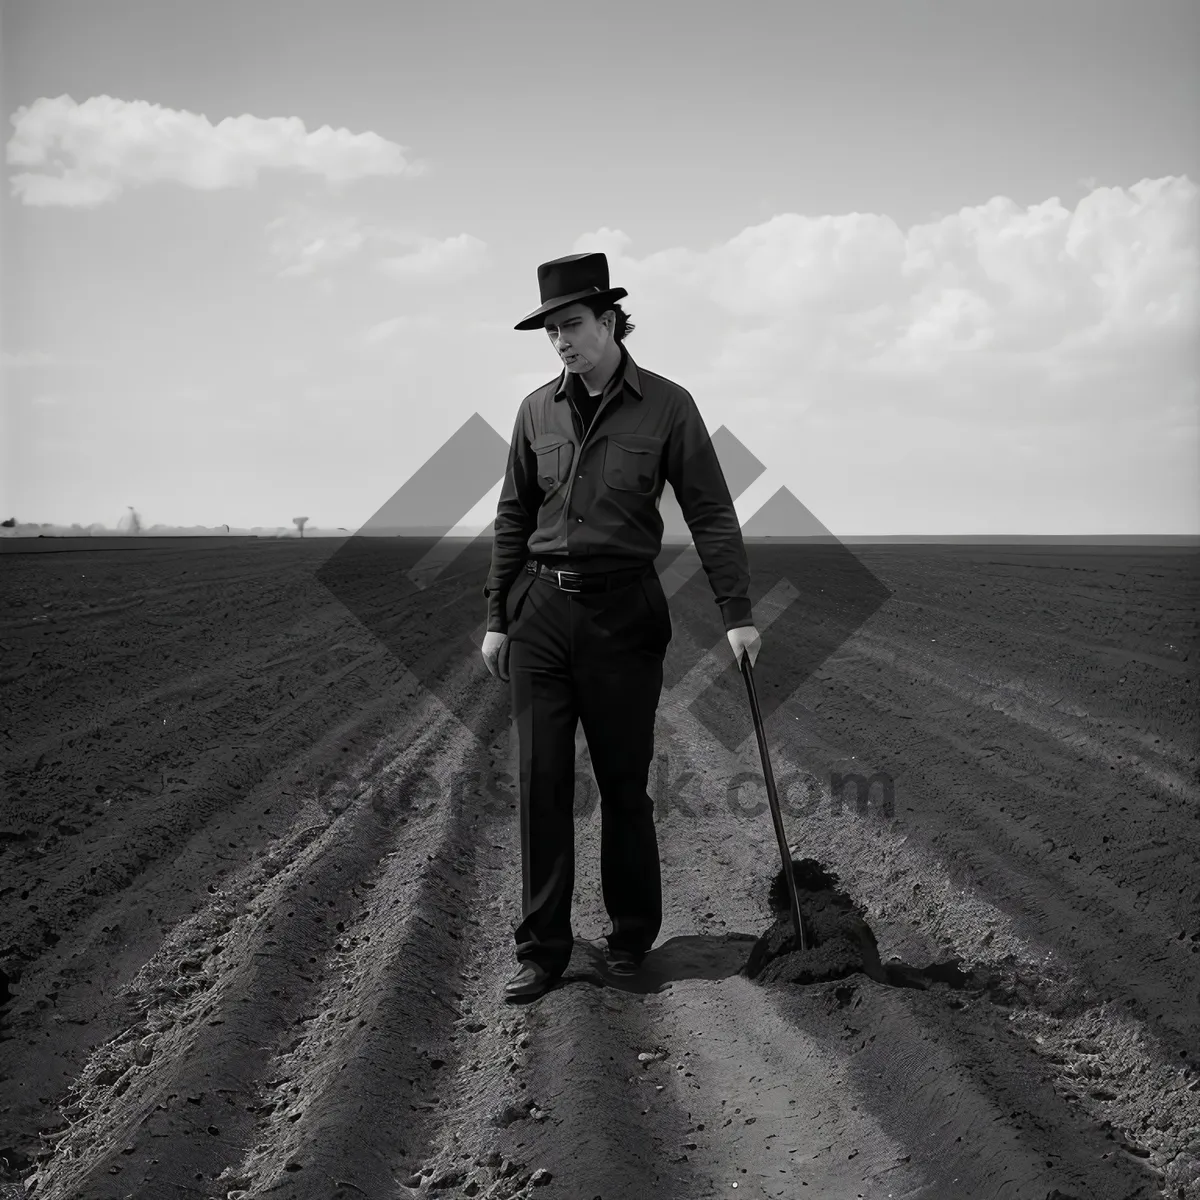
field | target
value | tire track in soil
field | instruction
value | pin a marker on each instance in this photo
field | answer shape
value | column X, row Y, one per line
column 1070, row 900
column 547, row 1096
column 771, row 1106
column 1115, row 1075
column 1050, row 717
column 833, row 1081
column 361, row 1080
column 1020, row 1159
column 79, row 946
column 163, row 1101
column 887, row 1150
column 1020, row 979
column 591, row 1144
column 152, row 821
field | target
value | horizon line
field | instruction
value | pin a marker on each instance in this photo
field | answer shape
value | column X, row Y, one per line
column 26, row 531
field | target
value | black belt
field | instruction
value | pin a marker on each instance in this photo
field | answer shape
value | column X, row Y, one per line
column 579, row 581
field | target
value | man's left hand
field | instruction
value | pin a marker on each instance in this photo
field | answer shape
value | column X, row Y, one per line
column 744, row 638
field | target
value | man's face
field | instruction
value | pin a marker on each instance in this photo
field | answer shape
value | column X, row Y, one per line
column 578, row 338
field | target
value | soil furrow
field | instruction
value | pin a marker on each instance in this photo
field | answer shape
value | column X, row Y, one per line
column 173, row 1031
column 206, row 1007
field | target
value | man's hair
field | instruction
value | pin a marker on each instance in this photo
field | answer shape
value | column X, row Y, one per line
column 624, row 325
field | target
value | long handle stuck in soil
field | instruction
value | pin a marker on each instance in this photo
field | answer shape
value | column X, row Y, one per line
column 776, row 816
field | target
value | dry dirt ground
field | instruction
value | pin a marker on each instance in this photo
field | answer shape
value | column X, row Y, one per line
column 259, row 886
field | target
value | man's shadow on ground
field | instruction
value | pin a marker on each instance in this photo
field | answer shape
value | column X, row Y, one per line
column 722, row 956
column 688, row 956
column 839, row 943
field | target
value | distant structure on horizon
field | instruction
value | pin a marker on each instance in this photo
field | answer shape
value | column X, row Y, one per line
column 131, row 523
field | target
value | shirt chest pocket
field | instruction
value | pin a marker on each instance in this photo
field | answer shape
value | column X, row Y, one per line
column 631, row 462
column 554, row 455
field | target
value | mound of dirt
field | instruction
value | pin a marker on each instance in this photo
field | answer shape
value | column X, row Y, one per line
column 839, row 942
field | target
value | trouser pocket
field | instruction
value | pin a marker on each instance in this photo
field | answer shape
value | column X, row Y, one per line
column 515, row 599
column 659, row 608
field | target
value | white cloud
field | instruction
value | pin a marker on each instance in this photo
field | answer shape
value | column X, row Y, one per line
column 396, row 327
column 445, row 259
column 1040, row 361
column 306, row 239
column 19, row 359
column 422, row 337
column 87, row 154
column 855, row 293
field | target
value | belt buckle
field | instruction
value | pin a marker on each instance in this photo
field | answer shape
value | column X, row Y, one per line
column 560, row 575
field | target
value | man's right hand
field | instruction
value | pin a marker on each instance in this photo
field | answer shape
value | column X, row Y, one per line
column 495, row 654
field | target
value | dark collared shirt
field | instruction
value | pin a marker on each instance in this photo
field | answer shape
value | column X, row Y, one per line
column 586, row 499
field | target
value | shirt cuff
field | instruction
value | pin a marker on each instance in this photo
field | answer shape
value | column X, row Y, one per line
column 736, row 612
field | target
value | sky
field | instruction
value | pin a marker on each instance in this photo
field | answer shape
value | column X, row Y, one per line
column 936, row 265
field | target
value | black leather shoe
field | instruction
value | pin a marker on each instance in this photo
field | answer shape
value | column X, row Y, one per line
column 531, row 980
column 622, row 962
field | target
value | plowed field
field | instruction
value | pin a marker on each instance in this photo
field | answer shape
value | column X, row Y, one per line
column 259, row 886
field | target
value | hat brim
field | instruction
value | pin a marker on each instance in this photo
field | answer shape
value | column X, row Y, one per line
column 535, row 318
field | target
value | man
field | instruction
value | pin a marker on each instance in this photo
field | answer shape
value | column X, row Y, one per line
column 578, row 622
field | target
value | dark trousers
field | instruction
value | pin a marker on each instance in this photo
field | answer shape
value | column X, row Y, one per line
column 595, row 658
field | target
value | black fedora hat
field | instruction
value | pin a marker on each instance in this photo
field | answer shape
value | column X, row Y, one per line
column 565, row 280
